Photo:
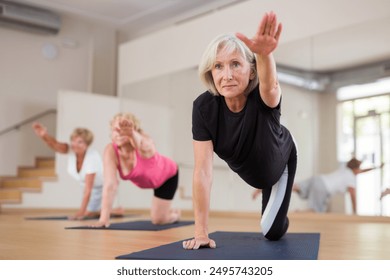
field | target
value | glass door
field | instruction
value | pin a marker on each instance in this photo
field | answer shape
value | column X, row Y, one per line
column 371, row 146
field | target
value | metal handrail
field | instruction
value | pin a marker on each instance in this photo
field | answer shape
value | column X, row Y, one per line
column 29, row 120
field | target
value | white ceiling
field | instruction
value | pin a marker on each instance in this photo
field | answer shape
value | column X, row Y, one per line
column 321, row 35
column 134, row 16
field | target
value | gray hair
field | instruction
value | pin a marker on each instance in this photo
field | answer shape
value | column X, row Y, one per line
column 230, row 43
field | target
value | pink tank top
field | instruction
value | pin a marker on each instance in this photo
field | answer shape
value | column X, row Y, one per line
column 149, row 173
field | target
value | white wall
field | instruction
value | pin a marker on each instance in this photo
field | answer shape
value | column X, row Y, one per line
column 180, row 46
column 29, row 82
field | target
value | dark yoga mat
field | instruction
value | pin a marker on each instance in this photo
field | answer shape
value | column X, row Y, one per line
column 137, row 225
column 239, row 246
column 62, row 218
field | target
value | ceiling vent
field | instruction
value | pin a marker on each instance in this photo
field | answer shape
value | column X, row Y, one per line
column 28, row 18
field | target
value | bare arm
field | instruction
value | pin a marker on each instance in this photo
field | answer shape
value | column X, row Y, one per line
column 352, row 193
column 56, row 146
column 201, row 187
column 89, row 180
column 110, row 185
column 269, row 86
column 262, row 45
column 359, row 171
column 142, row 142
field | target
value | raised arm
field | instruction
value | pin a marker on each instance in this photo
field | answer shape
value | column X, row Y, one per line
column 263, row 43
column 201, row 187
column 359, row 171
column 56, row 146
column 142, row 142
column 110, row 185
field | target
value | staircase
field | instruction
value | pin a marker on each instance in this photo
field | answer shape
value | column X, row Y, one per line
column 28, row 179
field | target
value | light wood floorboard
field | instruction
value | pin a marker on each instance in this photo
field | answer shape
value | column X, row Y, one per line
column 342, row 237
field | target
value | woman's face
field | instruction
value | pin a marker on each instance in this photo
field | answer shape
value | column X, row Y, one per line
column 78, row 145
column 231, row 73
column 115, row 134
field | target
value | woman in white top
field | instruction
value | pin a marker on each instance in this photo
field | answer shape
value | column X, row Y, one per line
column 84, row 164
column 318, row 189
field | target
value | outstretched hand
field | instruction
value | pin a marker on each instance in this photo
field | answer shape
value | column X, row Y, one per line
column 266, row 39
column 126, row 127
column 196, row 243
column 39, row 129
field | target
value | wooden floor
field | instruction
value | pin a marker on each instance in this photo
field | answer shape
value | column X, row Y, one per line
column 342, row 237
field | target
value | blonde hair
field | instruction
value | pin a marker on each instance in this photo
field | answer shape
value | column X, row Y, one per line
column 229, row 43
column 130, row 117
column 84, row 134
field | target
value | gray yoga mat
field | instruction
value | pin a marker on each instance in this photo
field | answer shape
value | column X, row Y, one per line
column 137, row 225
column 239, row 246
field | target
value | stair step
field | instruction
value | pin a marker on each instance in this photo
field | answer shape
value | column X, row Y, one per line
column 10, row 196
column 24, row 184
column 36, row 172
column 28, row 179
column 45, row 162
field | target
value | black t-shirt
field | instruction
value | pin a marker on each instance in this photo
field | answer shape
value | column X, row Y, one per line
column 252, row 142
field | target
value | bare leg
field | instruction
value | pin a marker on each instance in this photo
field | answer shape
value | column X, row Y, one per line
column 256, row 193
column 295, row 188
column 162, row 213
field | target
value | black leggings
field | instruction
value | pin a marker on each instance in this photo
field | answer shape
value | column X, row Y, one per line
column 168, row 188
column 276, row 200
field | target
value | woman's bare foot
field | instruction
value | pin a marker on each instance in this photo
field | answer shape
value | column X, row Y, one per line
column 176, row 215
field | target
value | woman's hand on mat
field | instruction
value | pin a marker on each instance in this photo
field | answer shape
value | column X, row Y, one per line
column 100, row 224
column 196, row 243
column 77, row 216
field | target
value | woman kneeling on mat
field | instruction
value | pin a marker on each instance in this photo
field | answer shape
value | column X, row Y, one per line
column 84, row 165
column 133, row 155
column 238, row 118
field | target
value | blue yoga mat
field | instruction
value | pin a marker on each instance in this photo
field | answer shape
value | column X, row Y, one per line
column 137, row 225
column 239, row 246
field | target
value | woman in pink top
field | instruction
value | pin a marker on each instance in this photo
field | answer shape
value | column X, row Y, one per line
column 133, row 156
